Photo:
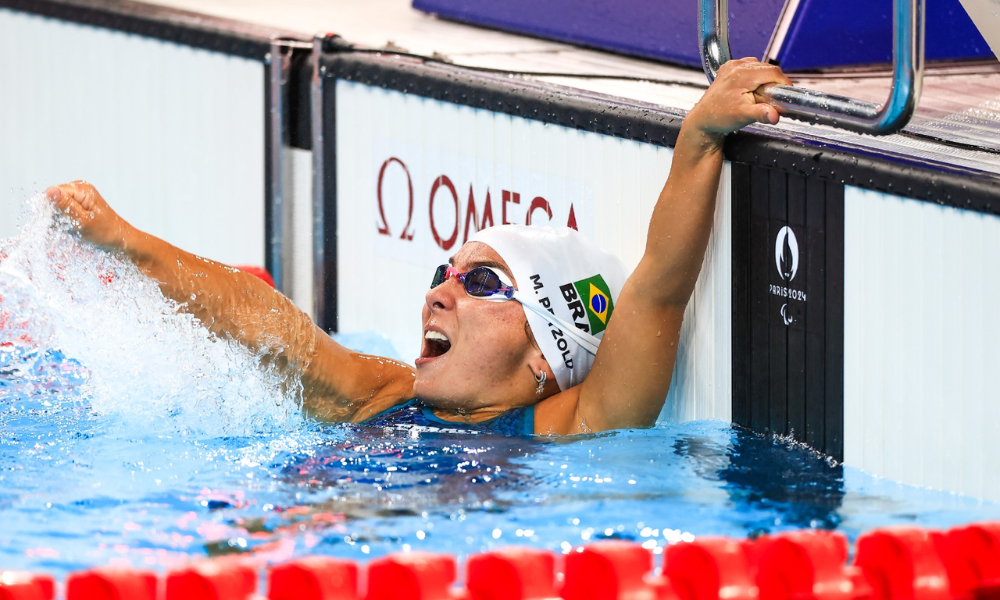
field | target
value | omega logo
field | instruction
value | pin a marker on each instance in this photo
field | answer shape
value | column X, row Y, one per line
column 445, row 194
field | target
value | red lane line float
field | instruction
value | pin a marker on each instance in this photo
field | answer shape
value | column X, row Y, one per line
column 610, row 570
column 511, row 574
column 106, row 584
column 258, row 272
column 902, row 563
column 16, row 585
column 314, row 578
column 412, row 576
column 710, row 568
column 219, row 579
column 806, row 564
column 896, row 563
column 972, row 558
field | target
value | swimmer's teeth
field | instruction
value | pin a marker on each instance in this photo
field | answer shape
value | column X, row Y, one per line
column 436, row 343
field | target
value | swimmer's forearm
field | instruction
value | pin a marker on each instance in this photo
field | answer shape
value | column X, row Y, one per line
column 230, row 303
column 627, row 387
column 682, row 218
column 240, row 307
column 337, row 385
column 631, row 374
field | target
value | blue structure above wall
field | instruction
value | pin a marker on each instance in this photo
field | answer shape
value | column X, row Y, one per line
column 812, row 34
column 823, row 34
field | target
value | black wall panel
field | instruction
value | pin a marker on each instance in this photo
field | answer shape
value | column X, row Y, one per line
column 788, row 281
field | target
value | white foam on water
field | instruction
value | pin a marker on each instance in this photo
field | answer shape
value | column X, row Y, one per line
column 152, row 366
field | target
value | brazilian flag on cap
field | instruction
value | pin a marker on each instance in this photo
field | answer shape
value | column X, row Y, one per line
column 596, row 297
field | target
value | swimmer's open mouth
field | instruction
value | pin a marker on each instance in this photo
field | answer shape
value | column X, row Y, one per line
column 435, row 344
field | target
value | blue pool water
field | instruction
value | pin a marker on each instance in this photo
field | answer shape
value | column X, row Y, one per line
column 130, row 436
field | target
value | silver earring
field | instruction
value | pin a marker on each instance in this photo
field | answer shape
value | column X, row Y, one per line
column 540, row 380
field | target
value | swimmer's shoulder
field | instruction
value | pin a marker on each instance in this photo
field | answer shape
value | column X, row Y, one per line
column 342, row 385
column 380, row 403
column 364, row 403
column 381, row 384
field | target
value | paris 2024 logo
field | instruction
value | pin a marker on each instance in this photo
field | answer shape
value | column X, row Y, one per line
column 786, row 261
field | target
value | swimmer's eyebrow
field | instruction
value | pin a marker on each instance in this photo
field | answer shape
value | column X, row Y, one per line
column 485, row 263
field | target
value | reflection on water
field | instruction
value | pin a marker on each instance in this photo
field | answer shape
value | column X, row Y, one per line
column 759, row 471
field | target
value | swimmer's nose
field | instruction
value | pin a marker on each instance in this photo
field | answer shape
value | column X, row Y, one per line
column 443, row 296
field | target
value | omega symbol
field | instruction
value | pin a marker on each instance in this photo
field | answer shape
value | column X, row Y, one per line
column 786, row 253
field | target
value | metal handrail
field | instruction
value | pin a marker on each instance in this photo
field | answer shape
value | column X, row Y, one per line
column 828, row 109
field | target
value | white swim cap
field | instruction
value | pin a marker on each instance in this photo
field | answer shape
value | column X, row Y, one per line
column 567, row 286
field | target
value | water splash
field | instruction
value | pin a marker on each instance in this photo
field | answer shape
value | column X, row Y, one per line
column 151, row 366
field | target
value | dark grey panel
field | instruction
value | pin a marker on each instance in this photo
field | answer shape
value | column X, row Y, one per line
column 788, row 306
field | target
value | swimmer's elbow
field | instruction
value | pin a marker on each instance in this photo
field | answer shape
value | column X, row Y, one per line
column 653, row 287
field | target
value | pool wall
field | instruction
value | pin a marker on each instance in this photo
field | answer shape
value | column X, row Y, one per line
column 165, row 112
column 922, row 335
column 844, row 300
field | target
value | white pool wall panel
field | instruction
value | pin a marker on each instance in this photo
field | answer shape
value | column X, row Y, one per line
column 703, row 376
column 922, row 342
column 171, row 135
column 299, row 229
column 611, row 184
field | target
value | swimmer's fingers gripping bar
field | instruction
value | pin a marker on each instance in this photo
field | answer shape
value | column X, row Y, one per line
column 829, row 109
column 589, row 342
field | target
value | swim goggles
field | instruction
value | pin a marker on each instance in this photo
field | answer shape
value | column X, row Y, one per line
column 486, row 284
column 480, row 282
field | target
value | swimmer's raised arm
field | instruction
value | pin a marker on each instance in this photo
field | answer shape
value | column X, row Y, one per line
column 338, row 385
column 631, row 374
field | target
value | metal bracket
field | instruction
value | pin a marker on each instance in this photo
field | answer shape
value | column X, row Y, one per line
column 828, row 109
column 316, row 102
column 277, row 65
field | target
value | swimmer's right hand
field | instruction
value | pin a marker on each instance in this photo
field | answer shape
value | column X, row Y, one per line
column 91, row 214
column 734, row 99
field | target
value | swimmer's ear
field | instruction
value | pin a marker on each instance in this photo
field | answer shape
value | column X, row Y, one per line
column 543, row 376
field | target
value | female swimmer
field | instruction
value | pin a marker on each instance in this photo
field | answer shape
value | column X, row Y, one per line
column 510, row 325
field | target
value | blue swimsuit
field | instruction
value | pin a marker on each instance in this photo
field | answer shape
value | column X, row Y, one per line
column 520, row 421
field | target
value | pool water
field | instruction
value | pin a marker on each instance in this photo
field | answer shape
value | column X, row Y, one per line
column 128, row 435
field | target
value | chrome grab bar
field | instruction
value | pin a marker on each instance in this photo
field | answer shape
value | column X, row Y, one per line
column 828, row 109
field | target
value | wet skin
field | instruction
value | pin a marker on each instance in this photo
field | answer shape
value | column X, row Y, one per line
column 490, row 363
